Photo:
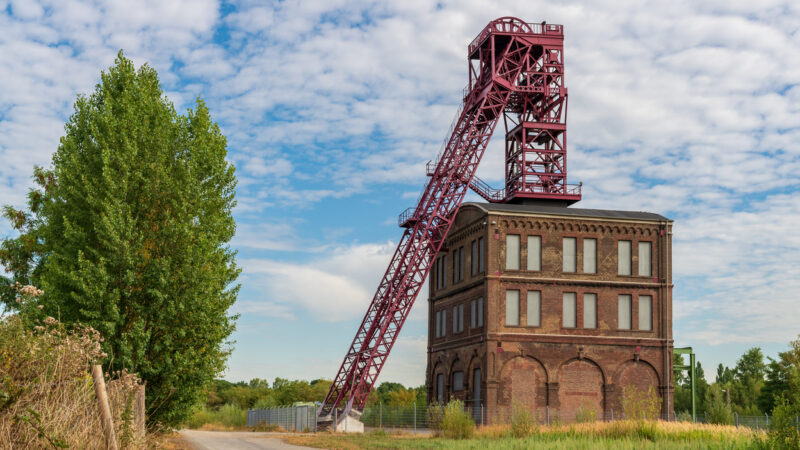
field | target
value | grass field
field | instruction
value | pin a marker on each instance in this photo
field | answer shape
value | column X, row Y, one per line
column 616, row 435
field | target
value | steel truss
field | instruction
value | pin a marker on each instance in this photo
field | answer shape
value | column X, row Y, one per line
column 516, row 71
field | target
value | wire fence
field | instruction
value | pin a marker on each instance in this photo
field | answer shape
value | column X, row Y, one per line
column 421, row 418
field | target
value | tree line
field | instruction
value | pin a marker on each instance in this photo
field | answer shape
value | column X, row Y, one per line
column 754, row 386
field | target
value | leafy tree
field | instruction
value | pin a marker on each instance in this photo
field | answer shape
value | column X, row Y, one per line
column 724, row 374
column 128, row 232
column 719, row 411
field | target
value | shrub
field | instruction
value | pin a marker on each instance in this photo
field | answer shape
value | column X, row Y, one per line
column 227, row 416
column 522, row 423
column 684, row 416
column 638, row 404
column 435, row 414
column 457, row 423
column 47, row 396
column 719, row 412
column 585, row 414
column 783, row 430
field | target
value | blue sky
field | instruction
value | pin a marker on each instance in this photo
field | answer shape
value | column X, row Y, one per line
column 331, row 108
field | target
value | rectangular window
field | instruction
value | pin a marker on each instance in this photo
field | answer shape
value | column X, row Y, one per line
column 645, row 312
column 569, row 254
column 512, row 252
column 480, row 255
column 461, row 263
column 473, row 313
column 476, row 385
column 455, row 266
column 534, row 253
column 480, row 312
column 458, row 381
column 624, row 312
column 444, row 323
column 534, row 308
column 440, row 388
column 455, row 319
column 624, row 257
column 473, row 259
column 569, row 310
column 438, row 323
column 444, row 271
column 460, row 318
column 644, row 259
column 589, row 310
column 512, row 308
column 590, row 256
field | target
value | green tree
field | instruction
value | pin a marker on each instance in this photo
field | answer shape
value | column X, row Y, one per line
column 128, row 232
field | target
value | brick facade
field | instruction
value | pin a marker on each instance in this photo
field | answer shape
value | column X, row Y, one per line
column 549, row 368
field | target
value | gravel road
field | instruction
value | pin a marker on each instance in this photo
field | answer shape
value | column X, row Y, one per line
column 236, row 440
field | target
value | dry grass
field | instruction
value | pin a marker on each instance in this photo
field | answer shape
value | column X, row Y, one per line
column 47, row 397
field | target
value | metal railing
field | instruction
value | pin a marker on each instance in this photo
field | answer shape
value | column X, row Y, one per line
column 514, row 25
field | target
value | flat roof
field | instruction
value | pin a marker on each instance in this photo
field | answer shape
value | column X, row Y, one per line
column 567, row 211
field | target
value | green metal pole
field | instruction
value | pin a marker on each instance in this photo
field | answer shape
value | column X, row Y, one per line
column 694, row 403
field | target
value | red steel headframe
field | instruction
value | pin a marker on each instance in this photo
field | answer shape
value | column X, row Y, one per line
column 516, row 68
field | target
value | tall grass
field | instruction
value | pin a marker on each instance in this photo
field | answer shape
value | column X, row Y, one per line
column 226, row 417
column 47, row 396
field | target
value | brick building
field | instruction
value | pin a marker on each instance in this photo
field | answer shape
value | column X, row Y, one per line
column 550, row 307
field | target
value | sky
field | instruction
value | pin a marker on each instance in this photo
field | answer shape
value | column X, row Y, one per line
column 332, row 108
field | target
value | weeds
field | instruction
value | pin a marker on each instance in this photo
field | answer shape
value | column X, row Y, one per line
column 457, row 423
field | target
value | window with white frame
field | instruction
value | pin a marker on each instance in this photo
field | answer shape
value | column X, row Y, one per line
column 512, row 308
column 534, row 253
column 569, row 254
column 589, row 310
column 624, row 312
column 569, row 310
column 624, row 257
column 534, row 309
column 645, row 263
column 512, row 252
column 590, row 256
column 645, row 312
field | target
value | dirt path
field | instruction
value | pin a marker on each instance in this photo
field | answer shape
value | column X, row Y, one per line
column 236, row 440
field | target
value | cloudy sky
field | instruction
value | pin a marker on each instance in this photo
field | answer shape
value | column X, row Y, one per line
column 331, row 108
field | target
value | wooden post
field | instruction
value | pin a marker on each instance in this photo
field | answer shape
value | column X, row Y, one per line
column 105, row 410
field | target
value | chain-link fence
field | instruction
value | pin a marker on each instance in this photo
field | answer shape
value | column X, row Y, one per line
column 421, row 418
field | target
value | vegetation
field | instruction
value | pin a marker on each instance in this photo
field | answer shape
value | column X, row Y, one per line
column 457, row 423
column 616, row 435
column 128, row 232
column 522, row 422
column 47, row 397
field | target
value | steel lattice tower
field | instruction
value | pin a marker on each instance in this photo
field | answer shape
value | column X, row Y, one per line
column 516, row 70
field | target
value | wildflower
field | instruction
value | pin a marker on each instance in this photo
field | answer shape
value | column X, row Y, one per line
column 40, row 306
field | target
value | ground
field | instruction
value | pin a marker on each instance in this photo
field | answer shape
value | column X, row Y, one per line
column 236, row 440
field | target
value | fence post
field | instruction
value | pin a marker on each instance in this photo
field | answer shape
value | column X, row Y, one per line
column 483, row 417
column 105, row 410
column 316, row 419
column 415, row 416
column 547, row 413
column 612, row 414
column 380, row 415
column 736, row 418
column 767, row 420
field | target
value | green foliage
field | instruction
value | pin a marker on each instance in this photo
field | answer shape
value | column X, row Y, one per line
column 719, row 411
column 640, row 405
column 522, row 422
column 435, row 416
column 128, row 232
column 457, row 423
column 227, row 416
column 585, row 414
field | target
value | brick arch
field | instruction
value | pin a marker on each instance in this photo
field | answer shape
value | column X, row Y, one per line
column 638, row 373
column 523, row 384
column 580, row 385
column 474, row 363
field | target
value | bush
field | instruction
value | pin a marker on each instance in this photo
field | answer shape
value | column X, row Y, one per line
column 641, row 405
column 719, row 412
column 783, row 430
column 522, row 423
column 47, row 397
column 585, row 414
column 684, row 416
column 435, row 414
column 227, row 416
column 457, row 423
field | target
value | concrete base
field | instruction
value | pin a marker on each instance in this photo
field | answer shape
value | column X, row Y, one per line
column 350, row 425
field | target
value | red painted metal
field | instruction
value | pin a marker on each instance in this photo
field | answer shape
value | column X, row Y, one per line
column 516, row 69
